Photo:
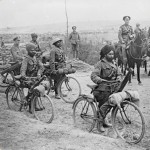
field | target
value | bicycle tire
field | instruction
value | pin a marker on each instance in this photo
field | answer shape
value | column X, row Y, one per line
column 39, row 115
column 16, row 98
column 66, row 86
column 125, row 121
column 84, row 123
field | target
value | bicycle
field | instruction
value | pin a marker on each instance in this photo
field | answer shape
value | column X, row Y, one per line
column 68, row 87
column 6, row 73
column 16, row 100
column 86, row 111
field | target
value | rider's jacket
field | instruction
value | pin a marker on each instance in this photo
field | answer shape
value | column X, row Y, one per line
column 125, row 33
column 104, row 70
column 31, row 67
column 57, row 59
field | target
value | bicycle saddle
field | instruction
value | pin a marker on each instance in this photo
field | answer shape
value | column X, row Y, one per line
column 91, row 86
column 46, row 65
column 12, row 63
column 17, row 77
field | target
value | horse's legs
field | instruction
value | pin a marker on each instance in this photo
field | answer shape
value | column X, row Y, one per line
column 145, row 65
column 138, row 72
column 133, row 69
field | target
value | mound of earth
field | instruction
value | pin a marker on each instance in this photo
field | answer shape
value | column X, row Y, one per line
column 80, row 65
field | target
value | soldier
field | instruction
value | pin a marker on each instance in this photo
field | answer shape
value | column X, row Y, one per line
column 15, row 50
column 104, row 71
column 34, row 41
column 1, row 42
column 3, row 50
column 125, row 35
column 30, row 66
column 57, row 60
column 137, row 29
column 74, row 38
column 149, row 33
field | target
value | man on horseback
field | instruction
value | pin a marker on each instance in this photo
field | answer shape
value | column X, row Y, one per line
column 125, row 35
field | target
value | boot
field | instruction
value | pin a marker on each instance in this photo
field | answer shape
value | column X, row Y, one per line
column 100, row 127
column 57, row 96
column 106, row 123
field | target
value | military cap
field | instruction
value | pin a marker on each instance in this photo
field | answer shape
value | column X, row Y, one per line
column 34, row 35
column 74, row 27
column 56, row 40
column 126, row 17
column 30, row 46
column 16, row 38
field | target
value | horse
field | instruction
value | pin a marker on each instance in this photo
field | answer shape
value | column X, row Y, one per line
column 136, row 53
column 119, row 58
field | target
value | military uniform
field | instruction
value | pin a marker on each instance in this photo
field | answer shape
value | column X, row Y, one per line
column 16, row 53
column 108, row 71
column 74, row 38
column 31, row 67
column 149, row 32
column 137, row 31
column 57, row 60
column 38, row 49
column 125, row 35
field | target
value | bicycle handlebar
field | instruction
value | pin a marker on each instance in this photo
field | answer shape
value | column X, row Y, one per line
column 38, row 82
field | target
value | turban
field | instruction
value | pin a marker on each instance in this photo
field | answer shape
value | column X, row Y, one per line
column 105, row 50
column 30, row 47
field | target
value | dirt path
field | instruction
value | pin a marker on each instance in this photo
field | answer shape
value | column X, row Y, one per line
column 19, row 131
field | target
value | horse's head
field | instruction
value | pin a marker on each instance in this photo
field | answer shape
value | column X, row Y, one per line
column 139, row 38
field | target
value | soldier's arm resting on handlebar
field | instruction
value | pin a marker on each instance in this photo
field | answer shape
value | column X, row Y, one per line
column 95, row 76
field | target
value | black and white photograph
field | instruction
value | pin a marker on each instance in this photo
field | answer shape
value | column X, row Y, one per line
column 74, row 75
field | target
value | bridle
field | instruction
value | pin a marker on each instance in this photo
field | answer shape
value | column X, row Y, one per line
column 140, row 45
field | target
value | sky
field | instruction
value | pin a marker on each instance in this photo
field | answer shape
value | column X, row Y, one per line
column 15, row 13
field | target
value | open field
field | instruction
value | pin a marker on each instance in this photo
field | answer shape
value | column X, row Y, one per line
column 20, row 131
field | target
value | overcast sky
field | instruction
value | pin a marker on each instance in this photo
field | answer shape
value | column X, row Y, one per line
column 38, row 12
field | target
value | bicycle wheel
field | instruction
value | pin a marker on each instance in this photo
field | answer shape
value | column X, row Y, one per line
column 129, row 123
column 84, row 114
column 69, row 89
column 46, row 108
column 14, row 97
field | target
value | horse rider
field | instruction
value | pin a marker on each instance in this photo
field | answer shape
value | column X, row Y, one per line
column 125, row 35
column 104, row 71
column 57, row 60
column 137, row 29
